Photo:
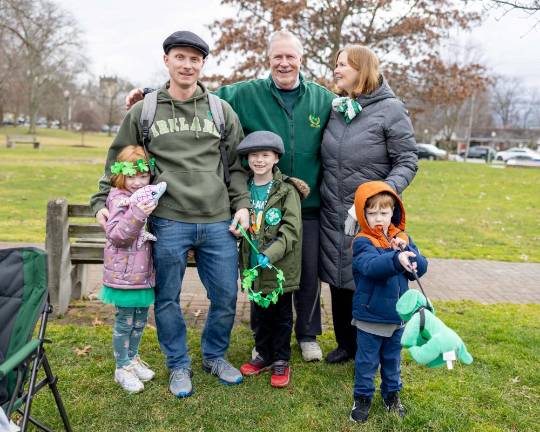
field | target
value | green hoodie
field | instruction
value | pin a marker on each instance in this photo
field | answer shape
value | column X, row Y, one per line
column 260, row 107
column 185, row 144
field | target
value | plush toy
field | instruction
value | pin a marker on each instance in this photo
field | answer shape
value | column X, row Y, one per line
column 428, row 339
column 144, row 194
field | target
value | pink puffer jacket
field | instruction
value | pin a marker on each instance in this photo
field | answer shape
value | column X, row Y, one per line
column 125, row 265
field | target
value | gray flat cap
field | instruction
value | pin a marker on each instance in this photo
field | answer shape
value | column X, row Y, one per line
column 260, row 141
column 185, row 39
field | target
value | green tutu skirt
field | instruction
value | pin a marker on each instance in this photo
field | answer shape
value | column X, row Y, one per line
column 127, row 297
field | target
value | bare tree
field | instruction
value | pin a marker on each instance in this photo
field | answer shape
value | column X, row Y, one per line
column 507, row 96
column 530, row 6
column 47, row 42
column 112, row 91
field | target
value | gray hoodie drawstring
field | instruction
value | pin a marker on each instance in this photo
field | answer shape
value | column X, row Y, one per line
column 196, row 130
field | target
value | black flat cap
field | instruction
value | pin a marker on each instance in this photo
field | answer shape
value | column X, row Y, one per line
column 185, row 39
column 260, row 141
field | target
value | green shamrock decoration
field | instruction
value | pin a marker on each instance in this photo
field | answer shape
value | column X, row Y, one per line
column 273, row 216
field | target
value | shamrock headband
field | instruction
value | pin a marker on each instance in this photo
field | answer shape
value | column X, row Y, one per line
column 131, row 168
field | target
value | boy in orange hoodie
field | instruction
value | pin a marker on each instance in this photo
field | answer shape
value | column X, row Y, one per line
column 383, row 260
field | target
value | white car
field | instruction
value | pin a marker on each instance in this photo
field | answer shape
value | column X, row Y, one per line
column 514, row 152
column 431, row 152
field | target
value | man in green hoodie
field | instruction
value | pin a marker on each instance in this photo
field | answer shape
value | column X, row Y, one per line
column 195, row 211
column 297, row 110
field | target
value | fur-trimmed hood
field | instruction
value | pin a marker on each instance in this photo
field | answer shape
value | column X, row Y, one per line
column 300, row 185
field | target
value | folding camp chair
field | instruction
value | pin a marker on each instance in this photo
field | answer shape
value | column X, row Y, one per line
column 23, row 299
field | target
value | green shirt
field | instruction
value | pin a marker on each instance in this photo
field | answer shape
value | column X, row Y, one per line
column 289, row 97
column 259, row 198
column 261, row 107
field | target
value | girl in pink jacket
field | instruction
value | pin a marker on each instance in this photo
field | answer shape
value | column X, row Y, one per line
column 129, row 279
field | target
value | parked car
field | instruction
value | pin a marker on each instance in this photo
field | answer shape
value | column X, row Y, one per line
column 479, row 152
column 515, row 151
column 524, row 161
column 431, row 152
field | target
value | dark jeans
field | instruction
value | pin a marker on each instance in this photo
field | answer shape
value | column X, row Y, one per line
column 342, row 316
column 374, row 351
column 307, row 298
column 273, row 329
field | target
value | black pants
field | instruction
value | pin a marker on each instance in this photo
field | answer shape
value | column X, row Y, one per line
column 307, row 301
column 342, row 316
column 272, row 329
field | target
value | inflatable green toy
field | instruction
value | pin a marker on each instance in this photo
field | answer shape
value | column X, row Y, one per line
column 429, row 340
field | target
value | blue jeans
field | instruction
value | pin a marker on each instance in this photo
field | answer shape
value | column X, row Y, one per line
column 128, row 328
column 216, row 255
column 373, row 351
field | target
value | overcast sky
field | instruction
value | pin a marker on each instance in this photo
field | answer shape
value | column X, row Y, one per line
column 124, row 37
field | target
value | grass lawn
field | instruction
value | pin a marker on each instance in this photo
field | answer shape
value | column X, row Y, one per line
column 500, row 391
column 455, row 210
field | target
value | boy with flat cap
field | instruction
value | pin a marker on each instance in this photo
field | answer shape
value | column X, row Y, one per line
column 276, row 231
column 194, row 213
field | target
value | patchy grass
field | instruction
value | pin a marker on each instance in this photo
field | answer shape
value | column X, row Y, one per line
column 500, row 391
column 454, row 210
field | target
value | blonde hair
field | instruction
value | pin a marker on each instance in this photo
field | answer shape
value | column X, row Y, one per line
column 285, row 34
column 381, row 200
column 366, row 62
column 131, row 153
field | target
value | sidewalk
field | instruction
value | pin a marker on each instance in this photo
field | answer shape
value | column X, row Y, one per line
column 447, row 279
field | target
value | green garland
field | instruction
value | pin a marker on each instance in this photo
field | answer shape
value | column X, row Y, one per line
column 249, row 276
column 130, row 168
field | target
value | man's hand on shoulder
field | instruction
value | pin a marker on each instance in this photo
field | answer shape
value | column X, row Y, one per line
column 102, row 216
column 134, row 96
column 240, row 217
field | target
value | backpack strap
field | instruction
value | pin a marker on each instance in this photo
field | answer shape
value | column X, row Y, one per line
column 147, row 120
column 219, row 120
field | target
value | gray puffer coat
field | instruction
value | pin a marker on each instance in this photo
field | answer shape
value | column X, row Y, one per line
column 378, row 144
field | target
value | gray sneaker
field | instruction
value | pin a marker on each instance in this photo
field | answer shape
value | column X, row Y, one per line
column 180, row 382
column 225, row 371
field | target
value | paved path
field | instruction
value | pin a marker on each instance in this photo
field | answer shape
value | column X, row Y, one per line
column 447, row 279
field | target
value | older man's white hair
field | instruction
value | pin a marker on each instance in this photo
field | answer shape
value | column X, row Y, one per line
column 285, row 34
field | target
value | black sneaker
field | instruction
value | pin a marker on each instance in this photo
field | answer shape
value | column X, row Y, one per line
column 339, row 355
column 360, row 409
column 392, row 403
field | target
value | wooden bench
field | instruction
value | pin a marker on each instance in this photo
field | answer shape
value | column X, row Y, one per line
column 71, row 246
column 23, row 139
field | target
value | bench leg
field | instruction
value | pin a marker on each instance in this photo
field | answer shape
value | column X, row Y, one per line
column 79, row 281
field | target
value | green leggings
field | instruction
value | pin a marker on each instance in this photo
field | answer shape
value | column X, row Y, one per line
column 128, row 328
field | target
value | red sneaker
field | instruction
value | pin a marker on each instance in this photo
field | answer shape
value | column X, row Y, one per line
column 281, row 374
column 254, row 367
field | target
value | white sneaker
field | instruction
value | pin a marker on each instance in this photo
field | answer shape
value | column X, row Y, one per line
column 125, row 376
column 311, row 351
column 141, row 369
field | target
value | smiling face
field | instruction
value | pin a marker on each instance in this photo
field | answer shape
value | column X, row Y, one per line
column 285, row 61
column 379, row 216
column 345, row 76
column 184, row 65
column 262, row 162
column 133, row 183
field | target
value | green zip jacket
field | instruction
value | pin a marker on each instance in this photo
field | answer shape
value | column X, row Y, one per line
column 185, row 144
column 281, row 243
column 261, row 108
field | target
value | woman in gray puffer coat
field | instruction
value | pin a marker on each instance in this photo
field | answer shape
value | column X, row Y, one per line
column 369, row 136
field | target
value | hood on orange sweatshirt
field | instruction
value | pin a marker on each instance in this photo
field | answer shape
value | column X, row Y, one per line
column 397, row 225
